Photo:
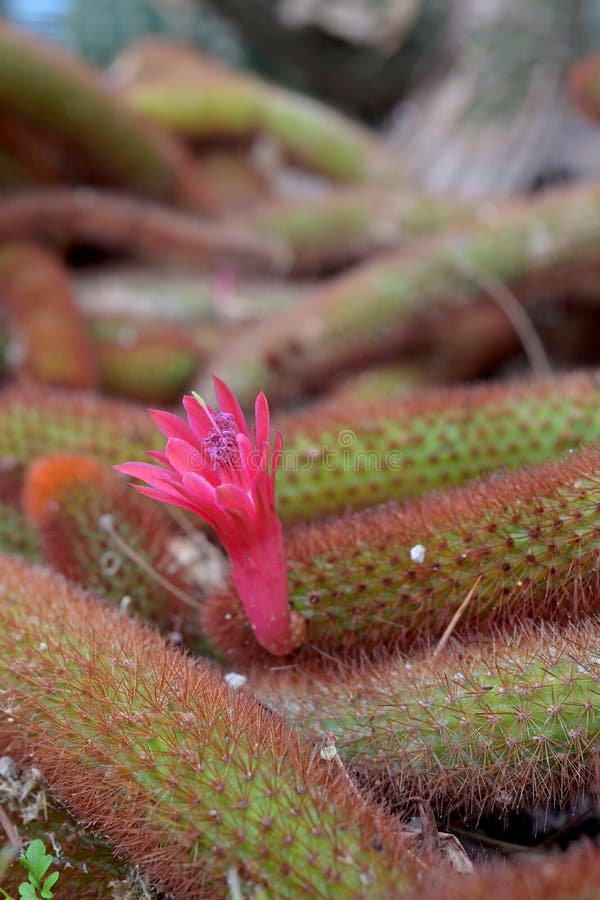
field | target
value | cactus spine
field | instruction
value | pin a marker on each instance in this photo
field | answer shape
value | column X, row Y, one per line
column 362, row 454
column 479, row 729
column 88, row 522
column 181, row 773
column 524, row 545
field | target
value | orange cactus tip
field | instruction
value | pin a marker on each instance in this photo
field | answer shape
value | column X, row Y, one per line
column 50, row 475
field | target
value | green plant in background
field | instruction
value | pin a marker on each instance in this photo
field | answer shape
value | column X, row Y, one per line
column 39, row 885
column 37, row 862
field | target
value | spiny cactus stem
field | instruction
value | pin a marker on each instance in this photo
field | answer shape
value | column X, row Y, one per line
column 107, row 524
column 183, row 775
column 480, row 728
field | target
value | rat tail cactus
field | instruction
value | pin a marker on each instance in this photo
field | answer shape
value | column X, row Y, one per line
column 521, row 546
column 184, row 775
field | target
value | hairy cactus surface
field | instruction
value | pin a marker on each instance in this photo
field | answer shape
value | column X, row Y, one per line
column 557, row 876
column 520, row 546
column 180, row 772
column 355, row 455
column 37, row 421
column 482, row 728
column 96, row 531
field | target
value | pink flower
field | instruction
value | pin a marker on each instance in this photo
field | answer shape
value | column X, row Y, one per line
column 213, row 467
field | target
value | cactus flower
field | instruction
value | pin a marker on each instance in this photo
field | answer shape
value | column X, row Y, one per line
column 213, row 466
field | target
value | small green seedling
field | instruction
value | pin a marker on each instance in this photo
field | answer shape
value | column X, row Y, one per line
column 37, row 862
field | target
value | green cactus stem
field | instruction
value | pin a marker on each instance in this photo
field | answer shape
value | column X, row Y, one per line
column 351, row 456
column 406, row 302
column 349, row 224
column 16, row 535
column 475, row 346
column 482, row 728
column 98, row 532
column 149, row 362
column 355, row 455
column 59, row 216
column 37, row 421
column 37, row 298
column 182, row 774
column 59, row 96
column 197, row 97
column 520, row 546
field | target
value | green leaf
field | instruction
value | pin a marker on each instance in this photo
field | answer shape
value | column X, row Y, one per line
column 50, row 881
column 27, row 891
column 36, row 860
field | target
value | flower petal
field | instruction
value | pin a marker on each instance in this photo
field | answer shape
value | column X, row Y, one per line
column 159, row 455
column 171, row 425
column 230, row 496
column 200, row 421
column 174, row 498
column 183, row 457
column 146, row 472
column 248, row 458
column 228, row 403
column 262, row 419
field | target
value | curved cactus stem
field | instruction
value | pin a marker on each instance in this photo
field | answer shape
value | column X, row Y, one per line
column 350, row 455
column 395, row 577
column 405, row 302
column 184, row 775
column 483, row 728
column 137, row 227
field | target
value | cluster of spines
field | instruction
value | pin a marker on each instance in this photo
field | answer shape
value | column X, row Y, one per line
column 482, row 728
column 181, row 773
column 36, row 421
column 358, row 455
column 95, row 530
column 525, row 545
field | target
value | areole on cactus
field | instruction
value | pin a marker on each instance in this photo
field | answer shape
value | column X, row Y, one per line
column 214, row 467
